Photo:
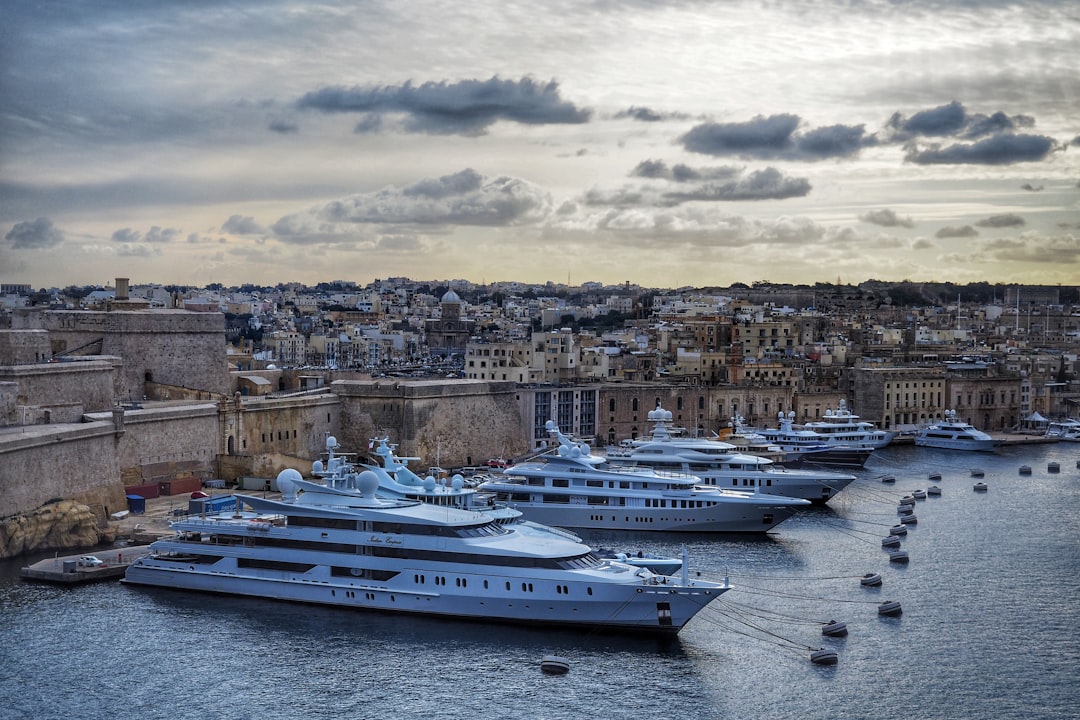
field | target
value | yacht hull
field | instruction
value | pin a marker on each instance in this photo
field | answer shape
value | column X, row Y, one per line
column 661, row 607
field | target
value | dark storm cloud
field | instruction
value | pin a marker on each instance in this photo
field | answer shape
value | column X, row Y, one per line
column 886, row 218
column 1001, row 221
column 776, row 137
column 767, row 184
column 33, row 234
column 997, row 150
column 467, row 107
column 659, row 170
column 463, row 198
column 965, row 231
column 953, row 120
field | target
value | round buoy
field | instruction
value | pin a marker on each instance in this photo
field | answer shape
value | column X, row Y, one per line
column 890, row 541
column 871, row 580
column 890, row 607
column 555, row 665
column 900, row 529
column 980, row 487
column 834, row 628
column 824, row 657
column 909, row 519
column 898, row 556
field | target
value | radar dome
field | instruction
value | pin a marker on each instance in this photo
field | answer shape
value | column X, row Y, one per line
column 286, row 482
column 316, row 467
column 331, row 442
column 429, row 483
column 457, row 482
column 367, row 483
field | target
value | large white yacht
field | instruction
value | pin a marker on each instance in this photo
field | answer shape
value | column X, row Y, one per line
column 575, row 488
column 721, row 464
column 952, row 433
column 340, row 544
column 845, row 428
column 803, row 445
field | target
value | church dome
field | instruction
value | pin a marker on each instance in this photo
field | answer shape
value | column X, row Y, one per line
column 451, row 297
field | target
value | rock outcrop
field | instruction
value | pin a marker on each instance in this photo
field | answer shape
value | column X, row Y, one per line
column 59, row 525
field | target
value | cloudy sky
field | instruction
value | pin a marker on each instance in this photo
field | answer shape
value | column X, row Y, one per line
column 662, row 142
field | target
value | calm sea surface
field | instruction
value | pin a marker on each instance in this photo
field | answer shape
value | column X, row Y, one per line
column 991, row 600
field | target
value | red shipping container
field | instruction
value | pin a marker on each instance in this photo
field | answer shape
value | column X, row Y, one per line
column 180, row 486
column 148, row 491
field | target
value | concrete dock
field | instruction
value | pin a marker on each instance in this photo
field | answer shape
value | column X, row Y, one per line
column 65, row 570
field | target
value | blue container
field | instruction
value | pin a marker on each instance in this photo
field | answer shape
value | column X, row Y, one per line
column 136, row 504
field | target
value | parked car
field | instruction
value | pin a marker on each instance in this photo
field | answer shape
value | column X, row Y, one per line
column 90, row 561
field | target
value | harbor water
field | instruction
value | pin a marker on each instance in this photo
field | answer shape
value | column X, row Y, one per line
column 990, row 600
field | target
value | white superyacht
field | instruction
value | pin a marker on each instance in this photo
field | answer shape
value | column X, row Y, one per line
column 340, row 544
column 721, row 464
column 577, row 489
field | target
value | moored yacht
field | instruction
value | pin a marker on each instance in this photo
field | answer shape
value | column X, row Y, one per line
column 845, row 428
column 719, row 463
column 340, row 544
column 1067, row 430
column 808, row 446
column 952, row 433
column 575, row 488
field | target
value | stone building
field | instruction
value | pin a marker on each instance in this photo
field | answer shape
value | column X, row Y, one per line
column 449, row 333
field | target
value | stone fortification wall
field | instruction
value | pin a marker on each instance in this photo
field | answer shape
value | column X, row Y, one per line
column 84, row 384
column 267, row 435
column 174, row 347
column 452, row 423
column 9, row 391
column 165, row 442
column 45, row 462
column 22, row 347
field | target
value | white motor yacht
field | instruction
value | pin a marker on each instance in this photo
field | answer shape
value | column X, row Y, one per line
column 341, row 544
column 575, row 488
column 719, row 463
column 1067, row 430
column 952, row 433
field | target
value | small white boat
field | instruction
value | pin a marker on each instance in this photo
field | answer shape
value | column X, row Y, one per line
column 976, row 472
column 834, row 628
column 824, row 657
column 898, row 530
column 919, row 494
column 1025, row 469
column 1053, row 467
column 555, row 665
column 898, row 556
column 934, row 476
column 870, row 580
column 654, row 563
column 933, row 490
column 888, row 478
column 980, row 487
column 909, row 519
column 890, row 542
